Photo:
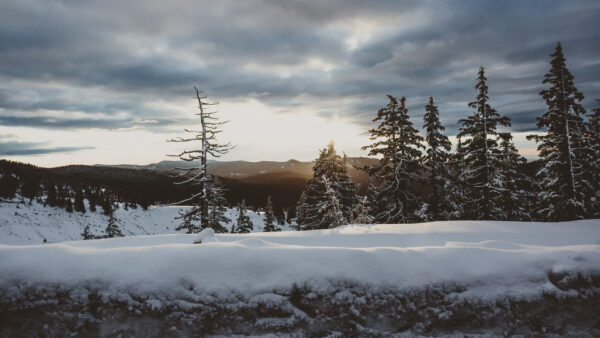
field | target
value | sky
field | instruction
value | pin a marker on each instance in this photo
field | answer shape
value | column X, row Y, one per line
column 108, row 82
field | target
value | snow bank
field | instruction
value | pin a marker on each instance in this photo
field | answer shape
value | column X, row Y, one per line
column 499, row 257
column 435, row 278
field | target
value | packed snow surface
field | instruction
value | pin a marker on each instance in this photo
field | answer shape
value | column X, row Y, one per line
column 493, row 258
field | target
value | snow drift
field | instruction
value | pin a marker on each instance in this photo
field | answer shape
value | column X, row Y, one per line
column 277, row 282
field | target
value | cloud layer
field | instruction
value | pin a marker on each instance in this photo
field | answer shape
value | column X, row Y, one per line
column 116, row 65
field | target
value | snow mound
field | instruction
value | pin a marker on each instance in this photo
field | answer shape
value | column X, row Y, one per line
column 205, row 236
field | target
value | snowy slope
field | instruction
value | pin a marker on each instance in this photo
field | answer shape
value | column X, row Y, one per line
column 24, row 224
column 413, row 278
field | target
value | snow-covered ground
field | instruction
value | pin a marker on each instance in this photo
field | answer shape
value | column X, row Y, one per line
column 21, row 223
column 482, row 277
column 502, row 257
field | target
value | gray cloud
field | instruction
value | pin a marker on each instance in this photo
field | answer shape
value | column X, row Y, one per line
column 11, row 148
column 117, row 59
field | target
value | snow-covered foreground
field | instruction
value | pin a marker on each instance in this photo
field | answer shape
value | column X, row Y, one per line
column 428, row 278
column 32, row 224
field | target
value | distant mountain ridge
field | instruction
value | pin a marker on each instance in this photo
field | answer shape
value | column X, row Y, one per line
column 260, row 171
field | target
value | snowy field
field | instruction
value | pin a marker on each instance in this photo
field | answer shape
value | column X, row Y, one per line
column 24, row 224
column 457, row 277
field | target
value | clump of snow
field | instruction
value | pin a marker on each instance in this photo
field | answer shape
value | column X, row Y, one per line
column 205, row 236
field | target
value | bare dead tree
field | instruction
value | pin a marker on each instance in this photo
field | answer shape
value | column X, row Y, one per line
column 197, row 218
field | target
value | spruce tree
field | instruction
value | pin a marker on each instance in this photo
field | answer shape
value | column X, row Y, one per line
column 362, row 212
column 330, row 208
column 270, row 217
column 400, row 169
column 330, row 167
column 480, row 154
column 68, row 205
column 436, row 161
column 216, row 216
column 565, row 189
column 51, row 198
column 593, row 144
column 86, row 234
column 78, row 205
column 197, row 217
column 243, row 224
column 112, row 229
column 518, row 189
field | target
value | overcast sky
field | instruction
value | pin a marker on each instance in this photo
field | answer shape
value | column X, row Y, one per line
column 110, row 81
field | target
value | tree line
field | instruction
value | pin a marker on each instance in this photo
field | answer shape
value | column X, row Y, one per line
column 481, row 180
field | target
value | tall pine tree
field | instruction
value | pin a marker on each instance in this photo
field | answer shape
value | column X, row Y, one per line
column 436, row 161
column 480, row 154
column 400, row 168
column 562, row 179
column 332, row 168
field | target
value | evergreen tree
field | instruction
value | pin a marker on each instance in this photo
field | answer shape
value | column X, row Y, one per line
column 436, row 160
column 79, row 206
column 198, row 176
column 290, row 215
column 30, row 188
column 517, row 188
column 51, row 197
column 565, row 189
column 86, row 234
column 68, row 205
column 112, row 229
column 243, row 224
column 399, row 169
column 216, row 216
column 91, row 197
column 270, row 217
column 107, row 205
column 330, row 208
column 593, row 144
column 330, row 167
column 362, row 212
column 9, row 184
column 480, row 154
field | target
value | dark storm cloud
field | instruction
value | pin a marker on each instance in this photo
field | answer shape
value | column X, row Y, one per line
column 117, row 58
column 12, row 148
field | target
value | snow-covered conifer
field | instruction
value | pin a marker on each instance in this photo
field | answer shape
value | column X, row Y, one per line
column 78, row 205
column 517, row 188
column 330, row 208
column 86, row 234
column 362, row 212
column 112, row 229
column 593, row 143
column 216, row 216
column 270, row 217
column 399, row 145
column 243, row 224
column 480, row 153
column 564, row 186
column 436, row 161
column 333, row 168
